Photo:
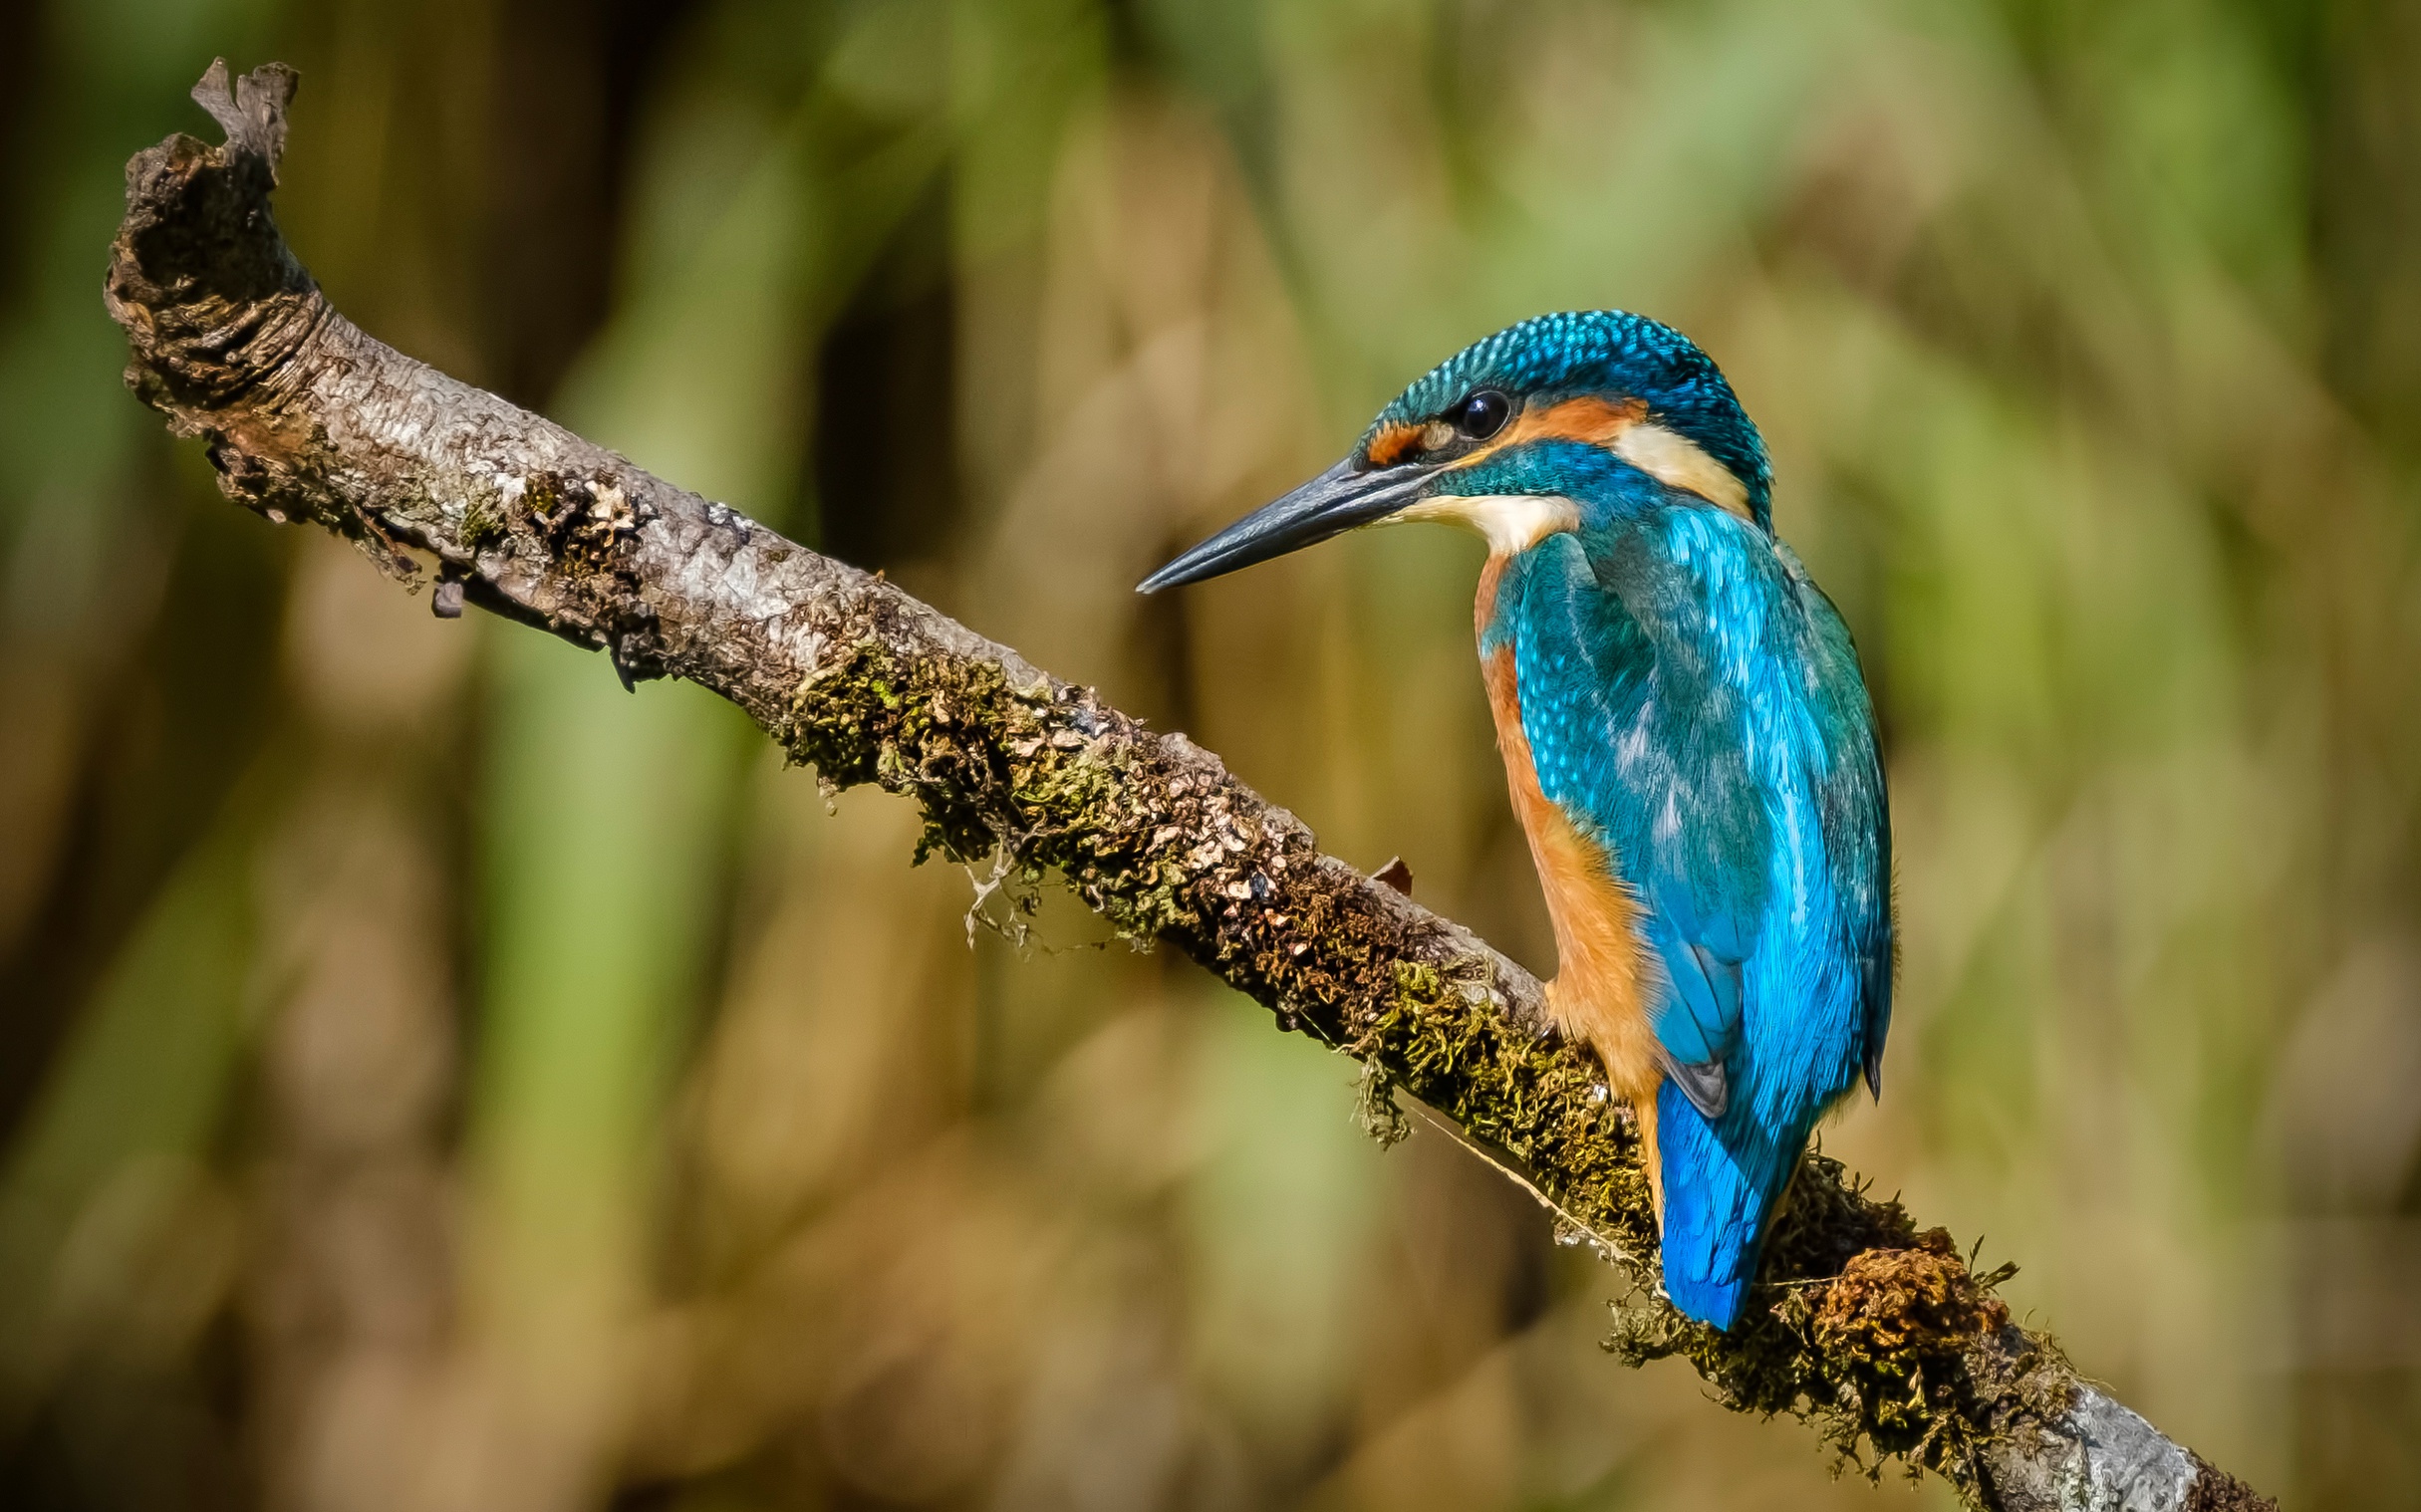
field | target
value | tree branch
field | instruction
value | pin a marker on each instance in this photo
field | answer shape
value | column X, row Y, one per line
column 1875, row 1333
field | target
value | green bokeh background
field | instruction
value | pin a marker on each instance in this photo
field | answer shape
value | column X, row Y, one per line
column 433, row 1079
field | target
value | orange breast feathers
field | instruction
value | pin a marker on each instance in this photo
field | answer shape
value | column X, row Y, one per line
column 1602, row 991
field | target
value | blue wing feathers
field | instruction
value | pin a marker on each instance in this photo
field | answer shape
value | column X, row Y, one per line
column 1713, row 1210
column 1700, row 1015
column 1693, row 701
column 1857, row 815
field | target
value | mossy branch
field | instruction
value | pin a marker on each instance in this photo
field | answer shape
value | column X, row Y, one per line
column 1872, row 1331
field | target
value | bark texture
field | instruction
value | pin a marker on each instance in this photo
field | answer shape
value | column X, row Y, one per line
column 1876, row 1333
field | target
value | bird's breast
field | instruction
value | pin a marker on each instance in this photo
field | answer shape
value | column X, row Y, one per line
column 1602, row 990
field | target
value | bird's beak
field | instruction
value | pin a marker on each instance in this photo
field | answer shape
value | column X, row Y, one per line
column 1334, row 502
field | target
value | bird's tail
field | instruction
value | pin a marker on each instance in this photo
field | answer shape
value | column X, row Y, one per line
column 1719, row 1196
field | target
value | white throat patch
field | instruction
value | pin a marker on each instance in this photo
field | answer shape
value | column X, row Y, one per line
column 1511, row 522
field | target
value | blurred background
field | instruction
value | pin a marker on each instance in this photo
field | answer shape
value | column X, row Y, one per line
column 432, row 1079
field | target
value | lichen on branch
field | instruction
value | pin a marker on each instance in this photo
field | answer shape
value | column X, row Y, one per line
column 1879, row 1335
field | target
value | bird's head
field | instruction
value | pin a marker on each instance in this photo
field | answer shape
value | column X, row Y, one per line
column 1501, row 436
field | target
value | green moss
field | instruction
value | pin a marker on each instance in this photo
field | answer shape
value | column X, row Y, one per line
column 1536, row 1099
column 542, row 495
column 480, row 528
column 993, row 766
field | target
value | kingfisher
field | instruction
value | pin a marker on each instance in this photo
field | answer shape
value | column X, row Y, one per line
column 1688, row 740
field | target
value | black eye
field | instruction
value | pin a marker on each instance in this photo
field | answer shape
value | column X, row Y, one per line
column 1480, row 415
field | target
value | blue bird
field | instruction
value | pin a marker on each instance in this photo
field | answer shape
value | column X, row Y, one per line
column 1688, row 740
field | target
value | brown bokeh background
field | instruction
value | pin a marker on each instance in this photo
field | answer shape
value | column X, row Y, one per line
column 432, row 1079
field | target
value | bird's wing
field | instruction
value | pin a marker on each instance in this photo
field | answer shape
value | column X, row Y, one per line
column 1856, row 818
column 1639, row 753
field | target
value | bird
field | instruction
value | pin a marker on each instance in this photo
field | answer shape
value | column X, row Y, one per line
column 1687, row 738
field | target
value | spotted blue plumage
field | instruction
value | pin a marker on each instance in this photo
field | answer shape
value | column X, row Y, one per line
column 1684, row 698
column 1692, row 702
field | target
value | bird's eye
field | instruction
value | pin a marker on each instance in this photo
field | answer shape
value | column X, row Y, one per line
column 1482, row 415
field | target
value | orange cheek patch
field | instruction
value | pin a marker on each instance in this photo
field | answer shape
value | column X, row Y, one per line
column 1593, row 421
column 1394, row 444
column 1625, row 430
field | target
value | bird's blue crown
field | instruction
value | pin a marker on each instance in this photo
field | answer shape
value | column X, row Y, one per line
column 1609, row 353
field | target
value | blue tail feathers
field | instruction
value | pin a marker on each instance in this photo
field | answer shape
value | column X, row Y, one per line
column 1718, row 1197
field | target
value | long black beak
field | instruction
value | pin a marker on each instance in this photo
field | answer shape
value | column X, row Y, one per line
column 1334, row 502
